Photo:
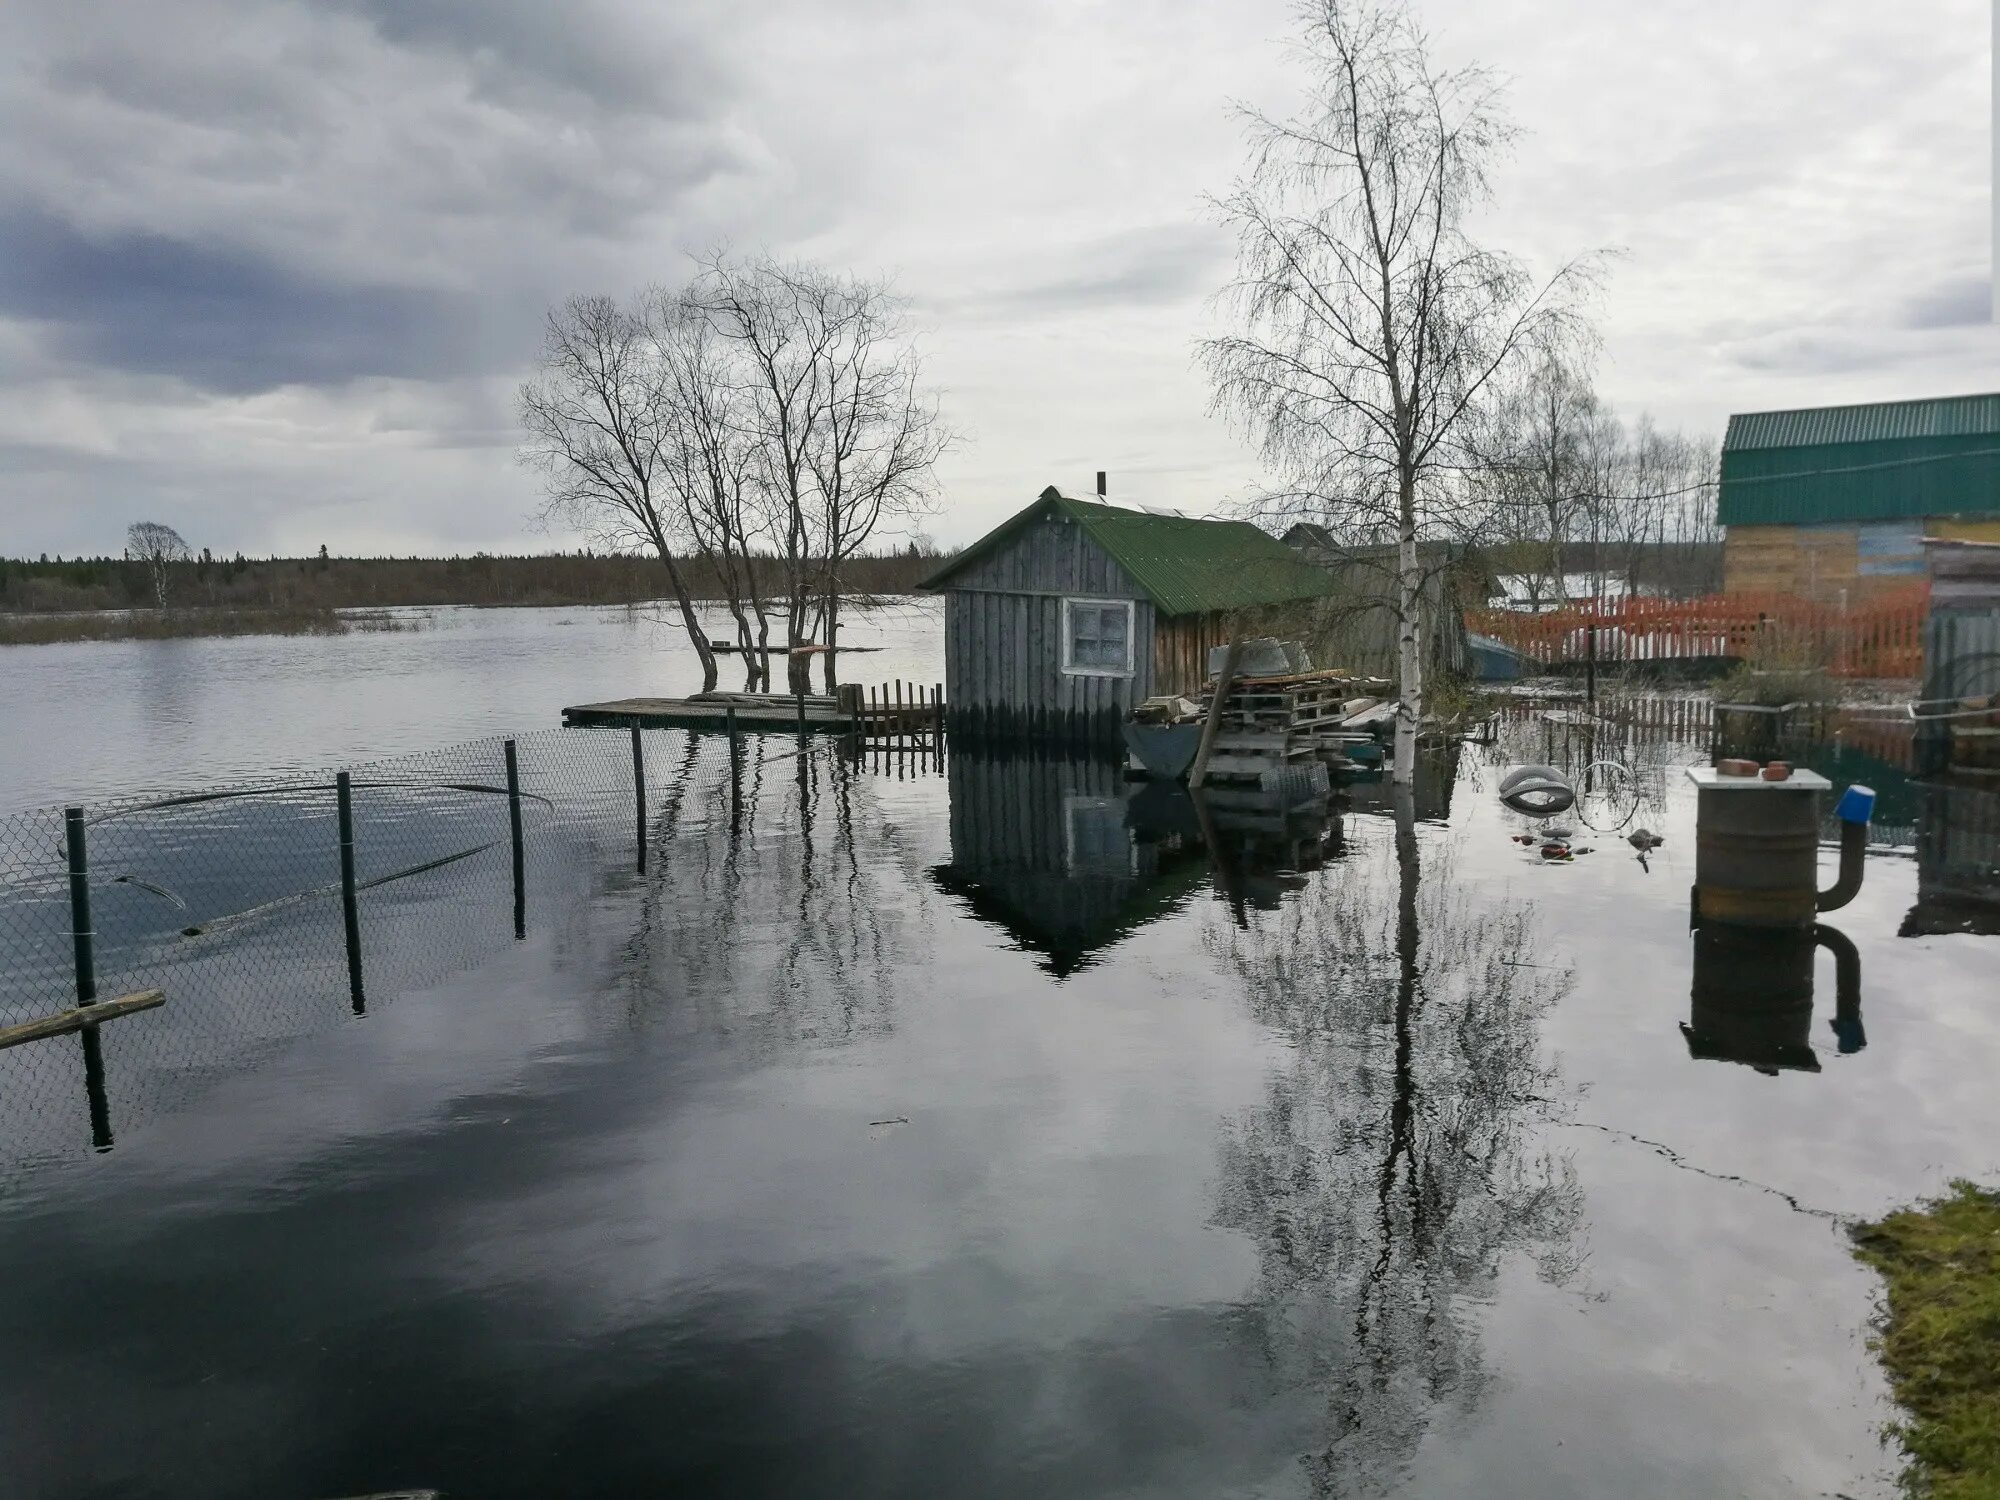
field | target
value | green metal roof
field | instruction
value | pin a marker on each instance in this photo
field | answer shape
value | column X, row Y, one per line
column 1882, row 421
column 1185, row 565
column 1885, row 461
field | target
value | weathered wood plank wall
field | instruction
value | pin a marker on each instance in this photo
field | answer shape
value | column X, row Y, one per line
column 1003, row 642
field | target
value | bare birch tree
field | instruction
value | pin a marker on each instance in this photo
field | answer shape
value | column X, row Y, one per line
column 1371, row 325
column 846, row 434
column 159, row 547
column 598, row 430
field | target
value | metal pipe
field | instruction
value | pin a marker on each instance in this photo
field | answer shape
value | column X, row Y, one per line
column 1857, row 806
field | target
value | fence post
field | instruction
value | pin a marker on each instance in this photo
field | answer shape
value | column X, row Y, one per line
column 350, row 906
column 801, row 702
column 514, row 827
column 1590, row 667
column 639, row 795
column 937, row 723
column 896, row 725
column 83, row 940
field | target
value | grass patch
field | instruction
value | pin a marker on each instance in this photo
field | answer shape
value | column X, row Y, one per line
column 1940, row 1338
column 174, row 624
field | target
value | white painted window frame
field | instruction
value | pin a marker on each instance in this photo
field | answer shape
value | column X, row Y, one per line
column 1069, row 604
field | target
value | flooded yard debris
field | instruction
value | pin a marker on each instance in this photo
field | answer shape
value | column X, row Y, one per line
column 1170, row 708
column 1939, row 1337
column 1537, row 791
column 1644, row 839
column 1269, row 717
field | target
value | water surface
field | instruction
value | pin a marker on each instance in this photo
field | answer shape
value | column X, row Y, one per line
column 1003, row 1127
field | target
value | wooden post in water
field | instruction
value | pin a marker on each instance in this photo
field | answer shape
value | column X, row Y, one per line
column 350, row 906
column 898, row 726
column 801, row 702
column 937, row 724
column 520, row 854
column 1198, row 772
column 639, row 796
column 83, row 945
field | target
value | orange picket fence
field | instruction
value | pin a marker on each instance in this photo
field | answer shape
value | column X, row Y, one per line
column 1882, row 638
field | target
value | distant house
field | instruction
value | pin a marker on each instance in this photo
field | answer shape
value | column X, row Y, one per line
column 1065, row 616
column 1359, row 630
column 1833, row 504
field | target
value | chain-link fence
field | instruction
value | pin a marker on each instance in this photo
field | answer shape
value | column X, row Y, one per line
column 237, row 902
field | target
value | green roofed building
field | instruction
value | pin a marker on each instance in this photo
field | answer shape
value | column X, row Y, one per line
column 1063, row 617
column 1834, row 503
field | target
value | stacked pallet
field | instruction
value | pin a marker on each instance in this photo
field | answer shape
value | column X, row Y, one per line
column 1269, row 725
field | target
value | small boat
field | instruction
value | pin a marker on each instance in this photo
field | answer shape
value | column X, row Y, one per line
column 1163, row 750
column 1496, row 661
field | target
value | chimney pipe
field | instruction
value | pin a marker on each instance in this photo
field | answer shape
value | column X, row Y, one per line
column 1100, row 484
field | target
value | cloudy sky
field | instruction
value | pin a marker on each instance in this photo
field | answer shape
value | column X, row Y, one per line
column 271, row 272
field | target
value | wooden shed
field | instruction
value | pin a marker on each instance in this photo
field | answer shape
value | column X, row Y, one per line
column 1061, row 619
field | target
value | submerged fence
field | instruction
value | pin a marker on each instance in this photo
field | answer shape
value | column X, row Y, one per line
column 1879, row 638
column 267, row 910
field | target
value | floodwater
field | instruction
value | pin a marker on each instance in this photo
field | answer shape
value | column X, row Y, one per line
column 1003, row 1127
column 89, row 719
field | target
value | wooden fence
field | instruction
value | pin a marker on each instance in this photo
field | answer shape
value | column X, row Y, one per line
column 1881, row 638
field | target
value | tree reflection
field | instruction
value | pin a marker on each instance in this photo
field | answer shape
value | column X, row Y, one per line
column 778, row 905
column 1393, row 1161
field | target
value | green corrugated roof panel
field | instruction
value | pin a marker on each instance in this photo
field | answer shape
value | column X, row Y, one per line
column 1838, row 464
column 1881, row 421
column 1185, row 565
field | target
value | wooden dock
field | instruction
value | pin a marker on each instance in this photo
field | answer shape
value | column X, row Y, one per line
column 897, row 712
column 774, row 715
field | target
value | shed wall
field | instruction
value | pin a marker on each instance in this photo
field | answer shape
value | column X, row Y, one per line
column 1004, row 676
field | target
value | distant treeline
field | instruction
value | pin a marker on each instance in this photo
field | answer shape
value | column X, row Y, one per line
column 315, row 583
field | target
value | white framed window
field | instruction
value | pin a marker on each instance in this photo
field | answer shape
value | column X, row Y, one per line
column 1097, row 637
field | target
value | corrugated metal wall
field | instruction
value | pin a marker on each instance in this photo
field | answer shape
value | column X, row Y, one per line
column 1911, row 477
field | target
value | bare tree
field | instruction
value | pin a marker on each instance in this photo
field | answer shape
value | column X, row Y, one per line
column 713, row 464
column 159, row 547
column 598, row 430
column 1548, row 453
column 846, row 436
column 1372, row 325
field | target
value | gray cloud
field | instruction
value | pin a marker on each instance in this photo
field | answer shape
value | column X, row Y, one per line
column 223, row 319
column 269, row 266
column 1955, row 303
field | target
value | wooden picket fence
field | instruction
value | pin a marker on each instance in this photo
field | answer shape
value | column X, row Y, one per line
column 1881, row 638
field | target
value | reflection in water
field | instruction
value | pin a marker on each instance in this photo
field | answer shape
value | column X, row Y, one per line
column 1067, row 856
column 1393, row 1160
column 1753, row 996
column 770, row 897
column 1958, row 861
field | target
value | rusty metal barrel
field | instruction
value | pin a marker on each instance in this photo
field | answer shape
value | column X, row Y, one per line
column 1756, row 860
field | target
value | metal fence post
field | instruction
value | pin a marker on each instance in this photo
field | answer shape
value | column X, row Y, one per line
column 514, row 826
column 83, row 944
column 82, row 938
column 639, row 794
column 350, row 906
